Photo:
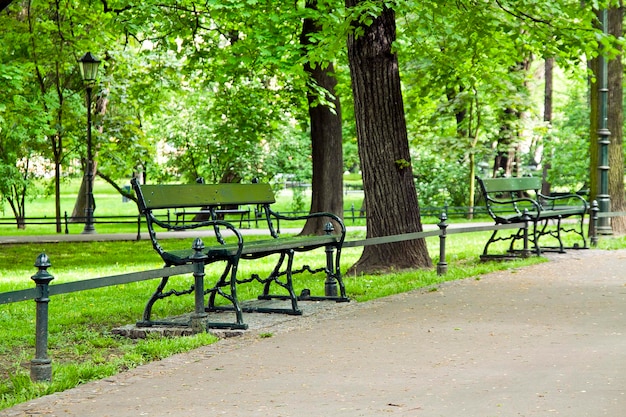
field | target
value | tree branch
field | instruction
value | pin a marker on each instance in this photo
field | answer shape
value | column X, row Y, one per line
column 521, row 15
column 120, row 190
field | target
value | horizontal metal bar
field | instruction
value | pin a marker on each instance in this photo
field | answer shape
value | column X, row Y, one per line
column 471, row 229
column 612, row 214
column 390, row 239
column 19, row 295
column 93, row 283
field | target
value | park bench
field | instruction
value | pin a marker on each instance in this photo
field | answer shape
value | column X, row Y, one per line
column 519, row 200
column 231, row 248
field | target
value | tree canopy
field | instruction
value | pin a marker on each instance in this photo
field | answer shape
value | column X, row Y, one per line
column 223, row 89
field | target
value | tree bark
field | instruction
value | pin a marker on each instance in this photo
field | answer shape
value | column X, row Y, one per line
column 390, row 194
column 326, row 140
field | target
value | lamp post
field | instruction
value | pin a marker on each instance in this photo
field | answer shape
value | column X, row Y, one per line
column 604, row 137
column 89, row 71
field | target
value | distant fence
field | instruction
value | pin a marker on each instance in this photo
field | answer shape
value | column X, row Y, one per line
column 352, row 214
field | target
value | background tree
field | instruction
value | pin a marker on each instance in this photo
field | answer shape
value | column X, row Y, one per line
column 390, row 195
column 326, row 131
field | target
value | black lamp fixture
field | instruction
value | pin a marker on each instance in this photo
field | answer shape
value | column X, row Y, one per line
column 89, row 71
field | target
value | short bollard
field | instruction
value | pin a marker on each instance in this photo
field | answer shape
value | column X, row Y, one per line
column 198, row 258
column 330, row 285
column 526, row 251
column 442, row 265
column 594, row 223
column 41, row 366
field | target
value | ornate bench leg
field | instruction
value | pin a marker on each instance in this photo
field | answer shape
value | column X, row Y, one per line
column 227, row 279
column 158, row 294
column 292, row 294
column 489, row 242
column 558, row 234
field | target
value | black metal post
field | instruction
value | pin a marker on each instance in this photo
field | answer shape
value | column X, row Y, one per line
column 525, row 251
column 594, row 223
column 41, row 365
column 603, row 197
column 89, row 227
column 198, row 319
column 442, row 265
column 330, row 285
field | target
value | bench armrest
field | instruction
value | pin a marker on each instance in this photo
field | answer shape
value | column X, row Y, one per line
column 331, row 216
column 207, row 223
column 514, row 202
column 551, row 201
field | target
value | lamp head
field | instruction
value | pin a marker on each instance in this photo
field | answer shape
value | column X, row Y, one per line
column 89, row 67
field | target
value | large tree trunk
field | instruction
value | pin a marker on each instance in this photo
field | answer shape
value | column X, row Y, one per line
column 326, row 141
column 390, row 194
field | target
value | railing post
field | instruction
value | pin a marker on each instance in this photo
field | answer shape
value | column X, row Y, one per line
column 198, row 258
column 67, row 230
column 594, row 223
column 442, row 265
column 525, row 251
column 330, row 285
column 139, row 227
column 41, row 365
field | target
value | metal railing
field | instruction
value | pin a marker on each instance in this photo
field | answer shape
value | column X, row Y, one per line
column 41, row 365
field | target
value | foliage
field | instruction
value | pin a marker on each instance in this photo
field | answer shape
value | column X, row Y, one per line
column 570, row 137
column 438, row 181
column 217, row 88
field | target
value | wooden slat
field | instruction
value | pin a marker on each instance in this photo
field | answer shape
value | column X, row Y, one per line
column 200, row 195
column 495, row 185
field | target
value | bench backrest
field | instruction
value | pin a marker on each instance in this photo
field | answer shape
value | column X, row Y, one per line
column 203, row 195
column 509, row 185
column 154, row 198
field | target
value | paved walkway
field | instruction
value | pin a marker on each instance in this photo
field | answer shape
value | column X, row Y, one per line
column 546, row 340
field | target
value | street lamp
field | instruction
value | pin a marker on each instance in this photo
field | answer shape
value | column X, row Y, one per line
column 89, row 71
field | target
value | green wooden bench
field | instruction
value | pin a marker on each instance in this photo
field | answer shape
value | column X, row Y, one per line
column 229, row 246
column 518, row 200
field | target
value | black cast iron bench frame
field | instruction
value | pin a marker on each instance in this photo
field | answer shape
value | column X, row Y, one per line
column 231, row 250
column 519, row 200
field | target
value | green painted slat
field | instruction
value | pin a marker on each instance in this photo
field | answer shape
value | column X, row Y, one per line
column 495, row 185
column 199, row 195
